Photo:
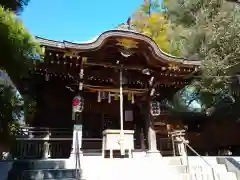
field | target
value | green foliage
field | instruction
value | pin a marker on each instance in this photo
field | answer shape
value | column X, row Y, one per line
column 14, row 5
column 193, row 99
column 151, row 21
column 207, row 30
column 11, row 111
column 148, row 8
column 14, row 109
column 29, row 109
column 17, row 48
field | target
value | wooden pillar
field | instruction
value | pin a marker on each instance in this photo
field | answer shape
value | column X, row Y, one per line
column 152, row 141
column 142, row 138
column 77, row 117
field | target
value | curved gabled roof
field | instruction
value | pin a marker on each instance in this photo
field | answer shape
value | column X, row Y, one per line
column 100, row 40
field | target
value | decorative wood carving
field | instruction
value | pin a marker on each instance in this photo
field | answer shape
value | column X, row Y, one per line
column 127, row 43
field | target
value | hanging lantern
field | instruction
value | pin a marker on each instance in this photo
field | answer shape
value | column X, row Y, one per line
column 77, row 104
column 155, row 108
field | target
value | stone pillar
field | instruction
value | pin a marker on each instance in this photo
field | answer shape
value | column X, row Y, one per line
column 77, row 135
column 152, row 140
column 179, row 139
column 46, row 146
column 77, row 141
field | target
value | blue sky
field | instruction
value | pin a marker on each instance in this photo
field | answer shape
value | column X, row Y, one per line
column 76, row 21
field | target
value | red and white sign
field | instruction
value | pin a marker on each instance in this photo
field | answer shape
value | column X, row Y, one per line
column 77, row 104
column 75, row 101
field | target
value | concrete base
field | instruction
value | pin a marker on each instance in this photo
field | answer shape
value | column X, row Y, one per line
column 74, row 161
column 155, row 154
column 73, row 155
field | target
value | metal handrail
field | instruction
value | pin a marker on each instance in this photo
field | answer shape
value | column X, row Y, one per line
column 195, row 152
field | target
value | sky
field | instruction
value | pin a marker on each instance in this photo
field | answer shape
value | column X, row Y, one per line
column 76, row 21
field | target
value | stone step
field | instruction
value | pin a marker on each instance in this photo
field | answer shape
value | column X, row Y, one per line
column 172, row 160
column 43, row 174
column 66, row 179
column 39, row 164
column 216, row 167
column 208, row 176
column 195, row 160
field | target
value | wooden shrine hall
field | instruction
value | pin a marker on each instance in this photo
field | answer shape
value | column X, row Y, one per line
column 119, row 81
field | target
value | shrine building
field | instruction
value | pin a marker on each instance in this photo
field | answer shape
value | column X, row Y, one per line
column 118, row 83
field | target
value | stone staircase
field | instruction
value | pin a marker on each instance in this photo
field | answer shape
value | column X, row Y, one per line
column 169, row 168
column 42, row 170
column 199, row 170
column 140, row 167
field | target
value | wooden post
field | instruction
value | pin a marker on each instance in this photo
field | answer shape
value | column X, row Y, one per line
column 152, row 141
column 77, row 117
column 142, row 138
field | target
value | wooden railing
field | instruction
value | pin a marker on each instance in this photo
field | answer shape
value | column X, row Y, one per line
column 38, row 143
column 42, row 143
column 38, row 132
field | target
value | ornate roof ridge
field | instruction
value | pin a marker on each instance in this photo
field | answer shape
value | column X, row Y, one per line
column 157, row 52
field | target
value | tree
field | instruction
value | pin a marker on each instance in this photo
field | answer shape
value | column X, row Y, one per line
column 17, row 48
column 192, row 100
column 18, row 52
column 14, row 5
column 207, row 30
column 149, row 20
column 11, row 107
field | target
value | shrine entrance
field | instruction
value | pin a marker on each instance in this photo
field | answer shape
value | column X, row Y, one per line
column 100, row 116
